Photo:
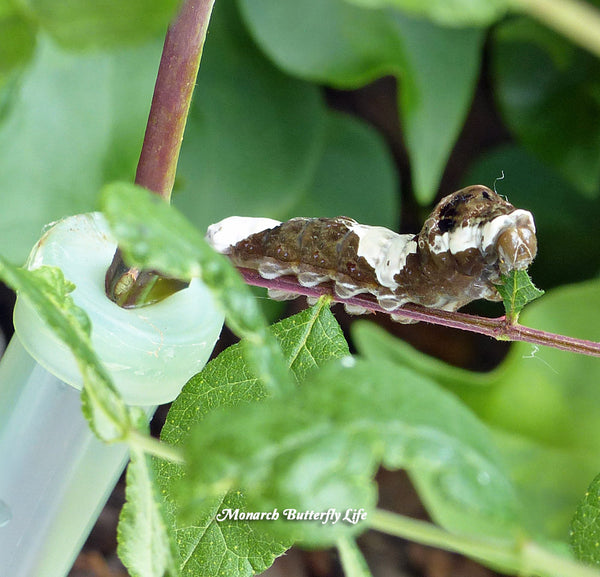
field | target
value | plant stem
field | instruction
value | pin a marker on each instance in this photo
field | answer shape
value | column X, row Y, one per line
column 352, row 559
column 578, row 21
column 497, row 328
column 153, row 447
column 157, row 165
column 175, row 83
column 524, row 558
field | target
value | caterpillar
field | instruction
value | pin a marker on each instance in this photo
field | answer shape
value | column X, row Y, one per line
column 470, row 239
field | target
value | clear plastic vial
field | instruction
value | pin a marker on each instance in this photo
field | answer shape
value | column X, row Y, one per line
column 55, row 476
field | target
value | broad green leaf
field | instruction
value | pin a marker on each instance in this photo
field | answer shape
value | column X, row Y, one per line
column 545, row 402
column 308, row 158
column 337, row 43
column 448, row 12
column 155, row 236
column 585, row 527
column 567, row 234
column 47, row 291
column 354, row 177
column 209, row 547
column 76, row 123
column 145, row 544
column 319, row 449
column 102, row 24
column 435, row 95
column 548, row 91
column 517, row 291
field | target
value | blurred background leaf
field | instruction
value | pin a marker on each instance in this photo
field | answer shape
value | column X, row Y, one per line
column 549, row 93
column 345, row 46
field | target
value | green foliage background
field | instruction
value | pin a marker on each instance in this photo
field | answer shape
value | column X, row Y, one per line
column 75, row 87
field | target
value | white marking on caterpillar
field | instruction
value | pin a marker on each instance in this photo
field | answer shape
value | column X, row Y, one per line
column 229, row 231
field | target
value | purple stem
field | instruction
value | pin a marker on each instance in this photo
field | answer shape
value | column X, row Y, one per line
column 177, row 72
column 175, row 83
column 497, row 328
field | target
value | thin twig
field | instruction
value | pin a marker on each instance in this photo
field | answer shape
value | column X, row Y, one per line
column 497, row 328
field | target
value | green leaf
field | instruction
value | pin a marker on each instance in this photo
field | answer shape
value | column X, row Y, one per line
column 310, row 161
column 542, row 404
column 91, row 134
column 320, row 448
column 208, row 547
column 337, row 43
column 435, row 95
column 81, row 24
column 155, row 236
column 47, row 291
column 448, row 12
column 517, row 291
column 585, row 527
column 146, row 546
column 354, row 177
column 548, row 92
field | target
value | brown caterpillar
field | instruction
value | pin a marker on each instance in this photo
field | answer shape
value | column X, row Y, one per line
column 470, row 239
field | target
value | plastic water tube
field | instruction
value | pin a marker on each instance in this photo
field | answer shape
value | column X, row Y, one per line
column 55, row 476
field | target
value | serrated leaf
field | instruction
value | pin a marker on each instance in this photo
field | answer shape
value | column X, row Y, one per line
column 517, row 290
column 584, row 535
column 340, row 44
column 319, row 449
column 155, row 236
column 447, row 12
column 144, row 536
column 208, row 547
column 47, row 291
column 79, row 24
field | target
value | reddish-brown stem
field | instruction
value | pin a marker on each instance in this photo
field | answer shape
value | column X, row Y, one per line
column 172, row 96
column 164, row 133
column 497, row 328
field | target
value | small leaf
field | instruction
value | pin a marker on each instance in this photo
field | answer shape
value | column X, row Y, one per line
column 210, row 547
column 155, row 236
column 47, row 291
column 145, row 544
column 585, row 526
column 517, row 291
